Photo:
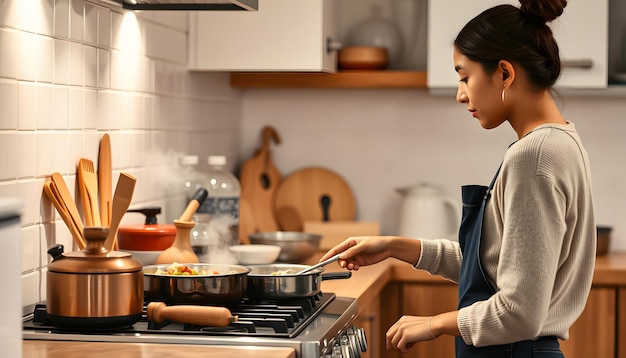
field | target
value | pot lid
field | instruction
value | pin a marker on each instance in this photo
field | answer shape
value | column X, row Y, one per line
column 148, row 230
column 94, row 258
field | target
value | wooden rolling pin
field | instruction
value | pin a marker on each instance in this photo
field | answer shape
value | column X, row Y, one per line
column 190, row 314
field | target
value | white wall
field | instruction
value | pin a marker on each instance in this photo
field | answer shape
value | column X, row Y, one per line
column 379, row 140
column 71, row 70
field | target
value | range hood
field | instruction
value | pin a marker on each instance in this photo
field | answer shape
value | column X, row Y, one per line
column 245, row 5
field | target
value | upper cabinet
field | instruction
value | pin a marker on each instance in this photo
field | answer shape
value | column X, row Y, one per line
column 283, row 35
column 581, row 33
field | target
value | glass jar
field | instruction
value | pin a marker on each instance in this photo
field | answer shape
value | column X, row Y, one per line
column 200, row 236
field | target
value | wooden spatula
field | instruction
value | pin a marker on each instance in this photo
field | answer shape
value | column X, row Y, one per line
column 88, row 182
column 104, row 180
column 121, row 201
column 66, row 197
column 50, row 190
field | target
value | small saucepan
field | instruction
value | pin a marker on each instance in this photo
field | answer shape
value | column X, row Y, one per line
column 221, row 285
column 282, row 281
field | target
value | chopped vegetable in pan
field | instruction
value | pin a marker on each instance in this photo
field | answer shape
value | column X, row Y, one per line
column 176, row 269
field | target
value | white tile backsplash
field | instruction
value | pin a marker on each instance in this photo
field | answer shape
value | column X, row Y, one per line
column 61, row 73
column 104, row 27
column 90, row 71
column 76, row 64
column 81, row 68
column 27, row 106
column 91, row 24
column 77, row 11
column 45, row 100
column 30, row 248
column 60, row 107
column 8, row 104
column 61, row 27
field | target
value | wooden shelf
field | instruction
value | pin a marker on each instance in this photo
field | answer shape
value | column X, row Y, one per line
column 341, row 79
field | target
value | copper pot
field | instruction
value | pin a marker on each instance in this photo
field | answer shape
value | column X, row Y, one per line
column 94, row 288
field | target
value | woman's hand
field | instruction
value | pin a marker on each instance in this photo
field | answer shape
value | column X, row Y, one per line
column 360, row 251
column 407, row 331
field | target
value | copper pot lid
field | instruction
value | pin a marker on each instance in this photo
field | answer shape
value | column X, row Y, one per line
column 94, row 258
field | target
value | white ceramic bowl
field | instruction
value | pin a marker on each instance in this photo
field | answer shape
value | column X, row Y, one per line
column 146, row 257
column 255, row 254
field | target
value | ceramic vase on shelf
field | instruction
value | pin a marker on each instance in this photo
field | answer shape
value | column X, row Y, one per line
column 411, row 17
column 377, row 31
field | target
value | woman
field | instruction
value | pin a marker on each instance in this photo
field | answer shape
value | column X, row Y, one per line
column 526, row 250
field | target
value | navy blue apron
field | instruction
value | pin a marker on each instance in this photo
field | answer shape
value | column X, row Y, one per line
column 473, row 284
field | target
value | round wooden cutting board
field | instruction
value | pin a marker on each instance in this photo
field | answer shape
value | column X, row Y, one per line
column 304, row 194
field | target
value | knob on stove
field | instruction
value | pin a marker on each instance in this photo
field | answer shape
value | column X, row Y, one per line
column 350, row 344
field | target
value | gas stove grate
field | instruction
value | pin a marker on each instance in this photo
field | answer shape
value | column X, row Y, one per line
column 285, row 319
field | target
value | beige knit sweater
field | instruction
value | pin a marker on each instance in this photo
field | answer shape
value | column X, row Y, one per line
column 538, row 243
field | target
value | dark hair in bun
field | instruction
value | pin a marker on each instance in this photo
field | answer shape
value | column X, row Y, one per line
column 519, row 35
column 541, row 10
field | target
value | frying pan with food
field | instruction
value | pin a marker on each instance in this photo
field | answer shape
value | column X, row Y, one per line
column 219, row 285
column 282, row 281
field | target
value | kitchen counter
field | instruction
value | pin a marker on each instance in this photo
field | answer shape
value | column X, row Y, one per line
column 365, row 285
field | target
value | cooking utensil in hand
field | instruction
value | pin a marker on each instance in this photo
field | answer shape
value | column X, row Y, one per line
column 121, row 201
column 104, row 180
column 318, row 265
column 73, row 223
column 88, row 182
column 199, row 315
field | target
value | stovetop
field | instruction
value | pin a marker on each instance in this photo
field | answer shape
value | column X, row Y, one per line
column 284, row 319
column 311, row 326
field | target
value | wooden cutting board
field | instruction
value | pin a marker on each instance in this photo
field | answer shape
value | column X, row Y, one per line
column 303, row 195
column 259, row 179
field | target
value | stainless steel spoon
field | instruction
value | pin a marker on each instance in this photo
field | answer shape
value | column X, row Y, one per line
column 318, row 265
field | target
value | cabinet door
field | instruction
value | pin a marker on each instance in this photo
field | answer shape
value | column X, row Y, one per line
column 593, row 334
column 283, row 35
column 427, row 300
column 581, row 33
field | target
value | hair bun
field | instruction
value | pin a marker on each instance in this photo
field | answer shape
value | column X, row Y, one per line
column 543, row 10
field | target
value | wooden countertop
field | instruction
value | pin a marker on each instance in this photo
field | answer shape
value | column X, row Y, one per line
column 365, row 285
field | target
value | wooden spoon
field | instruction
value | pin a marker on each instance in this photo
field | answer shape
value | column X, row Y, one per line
column 104, row 180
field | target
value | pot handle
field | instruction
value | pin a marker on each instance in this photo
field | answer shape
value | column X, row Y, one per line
column 336, row 275
column 56, row 251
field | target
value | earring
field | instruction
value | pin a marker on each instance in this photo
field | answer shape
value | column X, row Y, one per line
column 503, row 96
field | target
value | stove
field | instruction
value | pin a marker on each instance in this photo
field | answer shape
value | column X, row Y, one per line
column 318, row 326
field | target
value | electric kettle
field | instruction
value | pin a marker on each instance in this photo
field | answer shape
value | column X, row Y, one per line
column 427, row 213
